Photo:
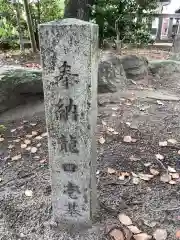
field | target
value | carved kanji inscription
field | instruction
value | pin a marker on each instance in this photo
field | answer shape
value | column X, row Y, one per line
column 68, row 143
column 69, row 167
column 73, row 209
column 66, row 77
column 72, row 190
column 65, row 108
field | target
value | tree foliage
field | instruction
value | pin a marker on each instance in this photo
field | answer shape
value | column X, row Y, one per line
column 104, row 12
column 129, row 14
column 41, row 11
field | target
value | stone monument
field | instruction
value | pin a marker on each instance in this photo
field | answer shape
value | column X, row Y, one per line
column 69, row 50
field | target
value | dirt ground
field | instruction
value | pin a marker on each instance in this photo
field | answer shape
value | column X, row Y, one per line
column 27, row 58
column 148, row 112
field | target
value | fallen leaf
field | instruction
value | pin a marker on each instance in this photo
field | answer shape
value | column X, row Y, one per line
column 23, row 146
column 44, row 134
column 115, row 108
column 111, row 171
column 33, row 150
column 159, row 156
column 159, row 102
column 7, row 158
column 16, row 140
column 104, row 123
column 160, row 234
column 122, row 178
column 127, row 139
column 115, row 133
column 25, row 121
column 102, row 140
column 124, row 219
column 163, row 144
column 171, row 169
column 128, row 123
column 125, row 174
column 29, row 136
column 172, row 182
column 134, row 126
column 145, row 177
column 13, row 130
column 114, row 115
column 135, row 180
column 178, row 234
column 110, row 129
column 34, row 133
column 133, row 158
column 38, row 145
column 134, row 229
column 43, row 161
column 97, row 172
column 144, row 108
column 36, row 157
column 20, row 127
column 142, row 236
column 134, row 174
column 27, row 141
column 28, row 193
column 154, row 172
column 17, row 157
column 133, row 82
column 147, row 164
column 175, row 175
column 1, row 139
column 33, row 124
column 28, row 148
column 133, row 140
column 117, row 234
column 150, row 224
column 11, row 146
column 165, row 178
column 172, row 141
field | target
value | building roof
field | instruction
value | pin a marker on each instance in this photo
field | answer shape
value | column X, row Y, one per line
column 165, row 1
column 178, row 10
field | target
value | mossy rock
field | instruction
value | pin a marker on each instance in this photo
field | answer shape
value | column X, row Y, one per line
column 164, row 67
column 135, row 67
column 17, row 84
column 175, row 57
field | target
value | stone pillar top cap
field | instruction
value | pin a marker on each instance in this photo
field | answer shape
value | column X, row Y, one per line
column 68, row 21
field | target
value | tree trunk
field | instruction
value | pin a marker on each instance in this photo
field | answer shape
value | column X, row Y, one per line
column 16, row 6
column 80, row 9
column 30, row 25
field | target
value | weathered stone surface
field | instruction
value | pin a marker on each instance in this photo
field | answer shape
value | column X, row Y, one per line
column 164, row 67
column 176, row 47
column 111, row 75
column 69, row 58
column 175, row 57
column 134, row 66
column 17, row 84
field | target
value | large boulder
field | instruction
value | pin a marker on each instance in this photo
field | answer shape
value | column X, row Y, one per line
column 17, row 84
column 111, row 75
column 135, row 67
column 175, row 57
column 164, row 67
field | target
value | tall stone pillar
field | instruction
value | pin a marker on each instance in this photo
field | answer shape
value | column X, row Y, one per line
column 69, row 50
